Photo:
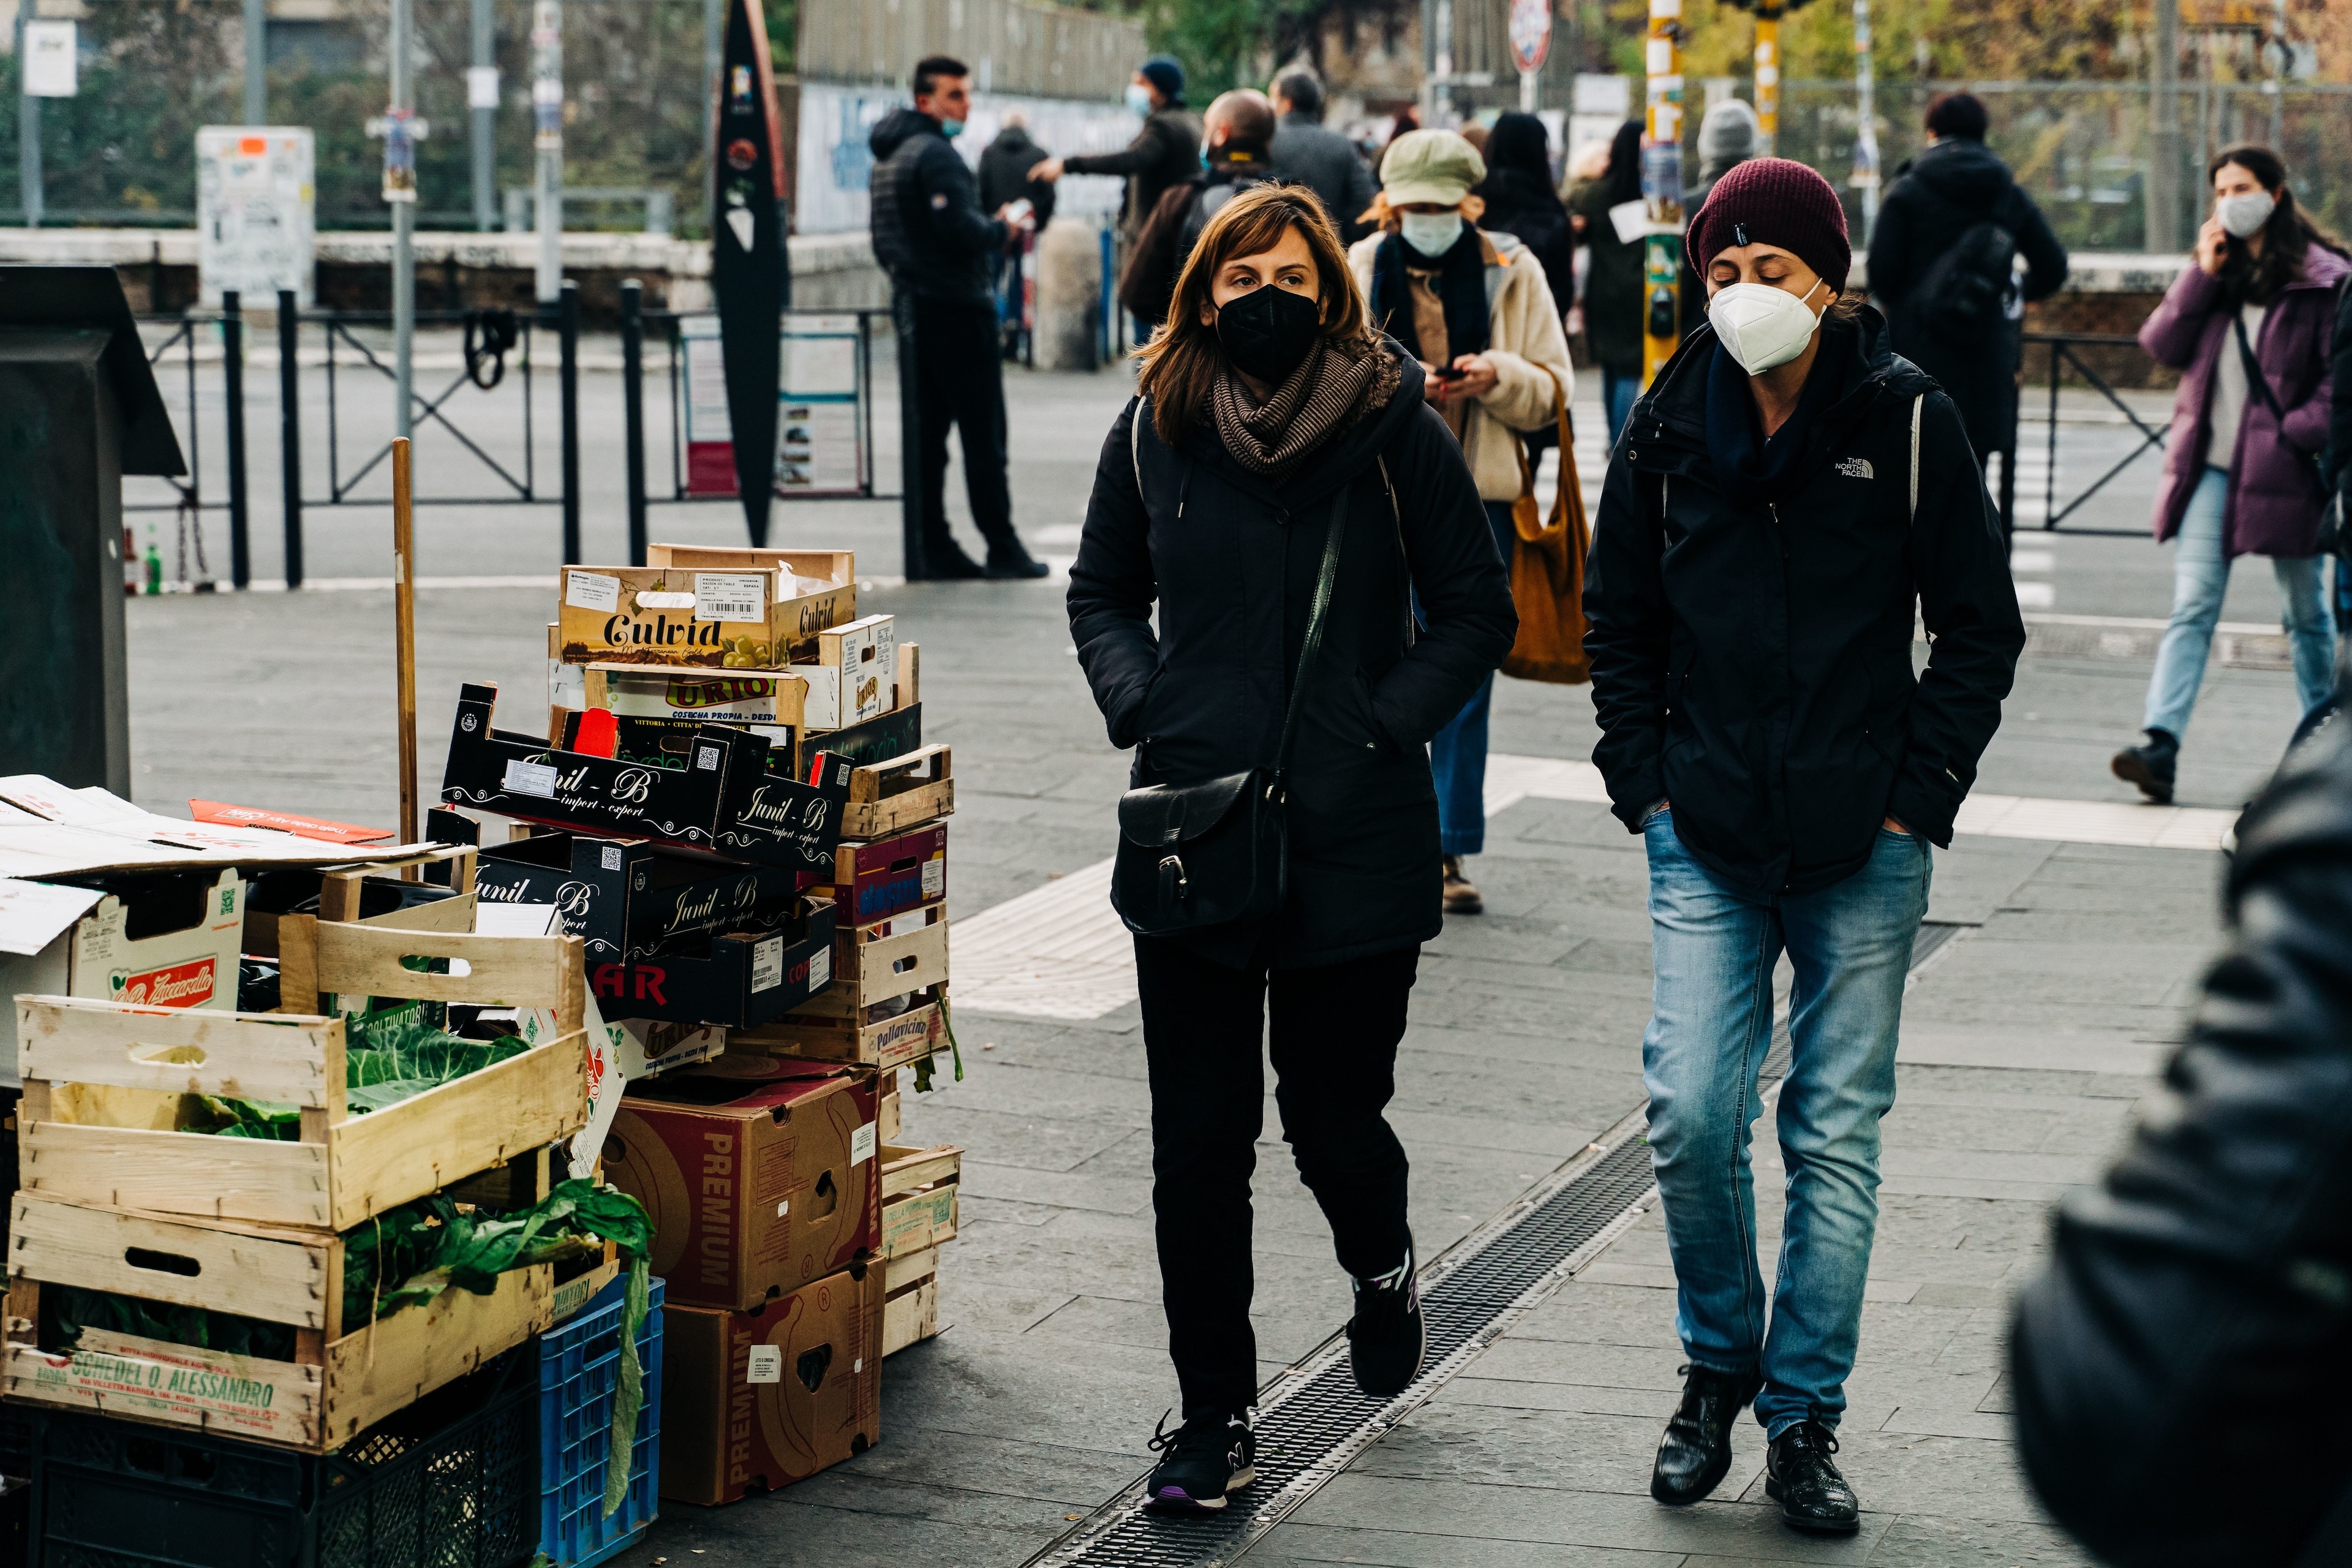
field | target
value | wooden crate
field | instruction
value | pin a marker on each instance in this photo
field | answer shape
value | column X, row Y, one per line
column 873, row 963
column 344, row 1377
column 910, row 1316
column 339, row 899
column 918, row 1198
column 102, row 1084
column 893, row 1042
column 905, row 792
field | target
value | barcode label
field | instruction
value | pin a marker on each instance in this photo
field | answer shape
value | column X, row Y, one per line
column 766, row 1364
column 767, row 964
column 531, row 778
column 861, row 1145
column 728, row 597
column 820, row 969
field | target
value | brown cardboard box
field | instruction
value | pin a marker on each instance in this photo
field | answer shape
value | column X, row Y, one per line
column 708, row 608
column 753, row 1401
column 760, row 1173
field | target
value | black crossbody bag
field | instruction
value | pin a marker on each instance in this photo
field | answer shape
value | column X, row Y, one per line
column 1192, row 857
column 2260, row 384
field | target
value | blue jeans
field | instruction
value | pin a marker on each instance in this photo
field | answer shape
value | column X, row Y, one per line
column 1710, row 1028
column 2201, row 575
column 1457, row 754
column 1617, row 394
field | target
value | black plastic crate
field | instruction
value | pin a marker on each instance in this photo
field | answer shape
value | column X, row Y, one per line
column 450, row 1482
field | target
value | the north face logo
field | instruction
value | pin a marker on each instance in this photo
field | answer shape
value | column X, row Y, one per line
column 1856, row 468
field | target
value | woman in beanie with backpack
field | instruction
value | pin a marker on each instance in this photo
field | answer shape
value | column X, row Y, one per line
column 1271, row 494
column 1789, row 495
column 2247, row 324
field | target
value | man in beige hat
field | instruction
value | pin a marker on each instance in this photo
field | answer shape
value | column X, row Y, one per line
column 1478, row 312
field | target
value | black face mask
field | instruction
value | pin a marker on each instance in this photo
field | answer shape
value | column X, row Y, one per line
column 1267, row 333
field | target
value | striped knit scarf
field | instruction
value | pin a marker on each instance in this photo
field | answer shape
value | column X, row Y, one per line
column 1329, row 391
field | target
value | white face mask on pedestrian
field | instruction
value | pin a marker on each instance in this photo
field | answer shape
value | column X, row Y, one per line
column 1432, row 233
column 2245, row 213
column 1138, row 99
column 1763, row 327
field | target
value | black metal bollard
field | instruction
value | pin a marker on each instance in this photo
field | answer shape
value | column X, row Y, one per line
column 633, row 410
column 568, row 325
column 240, row 547
column 289, row 429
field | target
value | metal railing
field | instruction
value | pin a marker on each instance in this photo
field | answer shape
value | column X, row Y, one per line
column 2064, row 353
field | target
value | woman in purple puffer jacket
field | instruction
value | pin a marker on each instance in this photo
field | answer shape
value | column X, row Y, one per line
column 2248, row 325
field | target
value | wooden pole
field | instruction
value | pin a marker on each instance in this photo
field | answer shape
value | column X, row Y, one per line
column 403, row 605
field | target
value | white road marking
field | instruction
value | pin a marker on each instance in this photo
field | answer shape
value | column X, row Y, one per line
column 1060, row 952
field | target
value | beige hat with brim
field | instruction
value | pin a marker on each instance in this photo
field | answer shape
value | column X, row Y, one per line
column 1430, row 166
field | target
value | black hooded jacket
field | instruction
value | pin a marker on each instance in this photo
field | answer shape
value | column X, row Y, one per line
column 1004, row 175
column 1232, row 561
column 2190, row 1335
column 1752, row 662
column 929, row 230
column 1953, row 186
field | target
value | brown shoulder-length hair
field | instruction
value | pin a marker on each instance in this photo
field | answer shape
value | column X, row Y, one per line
column 2288, row 233
column 1183, row 358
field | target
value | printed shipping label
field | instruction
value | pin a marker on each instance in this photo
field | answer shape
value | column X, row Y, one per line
column 767, row 964
column 531, row 778
column 861, row 1145
column 730, row 596
column 593, row 591
column 767, row 1364
column 935, row 875
column 820, row 969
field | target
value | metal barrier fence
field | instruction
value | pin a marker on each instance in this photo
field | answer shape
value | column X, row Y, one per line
column 2066, row 353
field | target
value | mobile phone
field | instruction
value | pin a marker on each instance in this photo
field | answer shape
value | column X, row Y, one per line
column 1447, row 373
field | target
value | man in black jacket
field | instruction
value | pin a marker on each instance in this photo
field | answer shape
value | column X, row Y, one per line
column 931, row 234
column 1240, row 127
column 1955, row 186
column 1787, row 496
column 1165, row 151
column 2176, row 1370
column 1323, row 160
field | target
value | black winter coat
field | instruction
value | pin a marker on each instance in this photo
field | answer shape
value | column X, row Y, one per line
column 1530, row 212
column 1004, row 175
column 1953, row 186
column 928, row 229
column 1328, row 165
column 1166, row 152
column 1753, row 664
column 2189, row 1341
column 1232, row 564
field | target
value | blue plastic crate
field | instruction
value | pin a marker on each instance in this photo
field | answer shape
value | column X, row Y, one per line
column 579, row 1365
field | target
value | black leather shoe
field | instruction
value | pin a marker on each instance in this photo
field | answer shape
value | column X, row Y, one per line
column 2150, row 764
column 1011, row 560
column 1696, row 1453
column 1799, row 1475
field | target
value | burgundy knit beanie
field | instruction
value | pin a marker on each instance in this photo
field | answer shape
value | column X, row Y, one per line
column 1774, row 201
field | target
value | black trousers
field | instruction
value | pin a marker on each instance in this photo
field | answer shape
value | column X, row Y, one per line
column 960, row 380
column 1334, row 1045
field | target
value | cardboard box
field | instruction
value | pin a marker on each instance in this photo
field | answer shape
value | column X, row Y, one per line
column 757, row 1400
column 730, row 800
column 855, row 675
column 874, row 880
column 868, row 741
column 743, row 609
column 656, row 743
column 756, row 1184
column 736, row 979
column 749, row 697
column 625, row 897
column 158, row 939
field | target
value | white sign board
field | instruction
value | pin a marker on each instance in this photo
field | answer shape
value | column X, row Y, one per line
column 51, row 58
column 255, row 212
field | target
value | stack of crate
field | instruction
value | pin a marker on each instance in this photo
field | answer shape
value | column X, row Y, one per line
column 113, row 1197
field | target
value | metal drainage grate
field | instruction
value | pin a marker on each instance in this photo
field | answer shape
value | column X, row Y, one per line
column 1313, row 1422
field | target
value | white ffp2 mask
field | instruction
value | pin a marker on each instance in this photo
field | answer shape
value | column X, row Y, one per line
column 1763, row 327
column 2243, row 214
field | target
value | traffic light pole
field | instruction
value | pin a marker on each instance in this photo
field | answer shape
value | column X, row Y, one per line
column 1662, row 189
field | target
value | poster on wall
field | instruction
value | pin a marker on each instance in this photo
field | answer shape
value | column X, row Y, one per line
column 747, row 251
column 256, row 210
column 820, row 414
column 709, row 439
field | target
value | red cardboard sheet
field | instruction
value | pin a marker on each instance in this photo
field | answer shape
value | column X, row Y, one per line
column 286, row 822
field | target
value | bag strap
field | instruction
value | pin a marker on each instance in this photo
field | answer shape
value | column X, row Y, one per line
column 1313, row 642
column 1135, row 440
column 1917, row 405
column 2254, row 369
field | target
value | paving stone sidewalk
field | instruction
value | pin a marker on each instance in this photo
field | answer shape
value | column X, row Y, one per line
column 2029, row 1039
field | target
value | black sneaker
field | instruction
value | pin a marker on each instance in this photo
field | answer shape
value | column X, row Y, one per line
column 1011, row 560
column 2150, row 764
column 1202, row 1461
column 944, row 561
column 1384, row 1338
column 1800, row 1477
column 1695, row 1455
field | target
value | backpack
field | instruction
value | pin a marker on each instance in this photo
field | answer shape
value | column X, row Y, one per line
column 1966, row 294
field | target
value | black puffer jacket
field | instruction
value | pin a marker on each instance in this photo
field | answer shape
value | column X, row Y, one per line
column 1232, row 564
column 1754, row 663
column 1955, row 185
column 929, row 230
column 2178, row 1368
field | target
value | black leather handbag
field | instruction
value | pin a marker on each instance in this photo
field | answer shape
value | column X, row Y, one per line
column 1191, row 857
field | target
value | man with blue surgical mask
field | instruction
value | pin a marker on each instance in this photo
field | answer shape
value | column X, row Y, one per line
column 1166, row 151
column 1789, row 496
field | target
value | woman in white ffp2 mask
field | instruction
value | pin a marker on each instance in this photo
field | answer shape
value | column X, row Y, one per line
column 1787, row 492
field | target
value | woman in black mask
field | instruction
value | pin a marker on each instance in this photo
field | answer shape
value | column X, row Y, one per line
column 1280, row 456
